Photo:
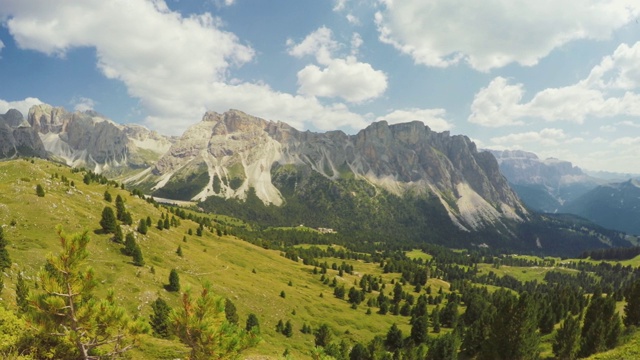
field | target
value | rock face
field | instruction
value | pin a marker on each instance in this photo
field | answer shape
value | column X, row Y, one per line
column 226, row 154
column 90, row 140
column 544, row 185
column 17, row 138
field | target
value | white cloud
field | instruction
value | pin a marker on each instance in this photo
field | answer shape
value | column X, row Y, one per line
column 21, row 105
column 177, row 66
column 628, row 123
column 347, row 78
column 606, row 92
column 352, row 19
column 497, row 104
column 547, row 136
column 434, row 118
column 492, row 34
column 1, row 45
column 339, row 5
column 608, row 128
column 83, row 104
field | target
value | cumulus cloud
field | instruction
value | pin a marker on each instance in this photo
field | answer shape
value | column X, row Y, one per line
column 83, row 104
column 339, row 5
column 21, row 105
column 347, row 78
column 177, row 66
column 606, row 92
column 547, row 136
column 492, row 34
column 433, row 118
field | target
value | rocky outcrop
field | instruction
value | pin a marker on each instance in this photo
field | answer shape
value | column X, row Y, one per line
column 17, row 138
column 88, row 139
column 544, row 185
column 238, row 151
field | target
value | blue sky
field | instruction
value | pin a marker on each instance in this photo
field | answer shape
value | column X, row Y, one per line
column 559, row 78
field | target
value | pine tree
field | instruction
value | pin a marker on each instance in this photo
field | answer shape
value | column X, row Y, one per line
column 107, row 196
column 252, row 325
column 179, row 251
column 419, row 330
column 601, row 327
column 127, row 219
column 149, row 221
column 22, row 294
column 230, row 312
column 142, row 227
column 159, row 320
column 166, row 225
column 120, row 208
column 322, row 336
column 513, row 332
column 280, row 326
column 108, row 221
column 632, row 307
column 118, row 237
column 129, row 245
column 393, row 340
column 200, row 324
column 5, row 259
column 566, row 343
column 288, row 329
column 67, row 307
column 138, row 260
column 39, row 190
column 444, row 347
column 174, row 281
column 435, row 319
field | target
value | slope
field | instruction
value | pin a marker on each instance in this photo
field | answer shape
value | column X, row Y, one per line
column 251, row 276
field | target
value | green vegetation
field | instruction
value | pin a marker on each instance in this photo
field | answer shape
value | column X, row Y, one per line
column 186, row 183
column 346, row 298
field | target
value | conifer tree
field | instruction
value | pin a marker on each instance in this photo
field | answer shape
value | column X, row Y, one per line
column 138, row 260
column 22, row 294
column 142, row 227
column 393, row 340
column 149, row 221
column 107, row 196
column 567, row 340
column 174, row 281
column 419, row 330
column 179, row 251
column 108, row 221
column 230, row 312
column 159, row 320
column 201, row 324
column 5, row 259
column 166, row 224
column 435, row 319
column 252, row 325
column 67, row 308
column 118, row 237
column 601, row 327
column 129, row 245
column 39, row 190
column 632, row 307
column 288, row 329
column 322, row 336
column 120, row 208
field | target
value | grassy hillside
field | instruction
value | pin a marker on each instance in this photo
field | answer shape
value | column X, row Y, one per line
column 252, row 277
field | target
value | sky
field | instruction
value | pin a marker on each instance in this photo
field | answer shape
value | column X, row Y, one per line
column 558, row 78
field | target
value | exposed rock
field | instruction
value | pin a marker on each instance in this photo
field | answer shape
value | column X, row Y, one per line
column 17, row 138
column 240, row 151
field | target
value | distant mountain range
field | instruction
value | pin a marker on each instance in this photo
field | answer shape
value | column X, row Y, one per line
column 553, row 185
column 399, row 181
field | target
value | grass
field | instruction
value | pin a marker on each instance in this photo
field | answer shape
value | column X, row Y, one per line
column 418, row 254
column 252, row 277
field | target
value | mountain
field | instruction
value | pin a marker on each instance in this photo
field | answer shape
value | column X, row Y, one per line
column 614, row 206
column 90, row 140
column 544, row 185
column 17, row 138
column 225, row 155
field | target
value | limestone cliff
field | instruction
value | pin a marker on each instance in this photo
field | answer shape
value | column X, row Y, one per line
column 17, row 138
column 226, row 154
